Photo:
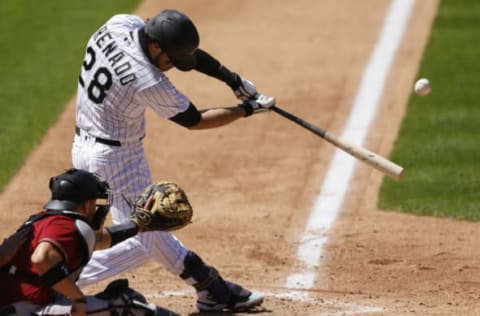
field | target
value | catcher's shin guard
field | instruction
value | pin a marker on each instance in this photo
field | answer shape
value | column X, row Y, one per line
column 214, row 293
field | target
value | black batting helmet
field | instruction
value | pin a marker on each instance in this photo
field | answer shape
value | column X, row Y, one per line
column 177, row 36
column 73, row 187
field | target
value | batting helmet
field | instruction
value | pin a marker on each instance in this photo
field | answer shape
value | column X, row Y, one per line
column 73, row 187
column 177, row 36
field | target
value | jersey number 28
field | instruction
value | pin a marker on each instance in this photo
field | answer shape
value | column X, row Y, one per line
column 101, row 81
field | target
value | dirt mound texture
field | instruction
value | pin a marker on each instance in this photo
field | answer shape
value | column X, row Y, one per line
column 253, row 183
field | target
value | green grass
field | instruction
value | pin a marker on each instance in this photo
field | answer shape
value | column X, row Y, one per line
column 42, row 46
column 439, row 141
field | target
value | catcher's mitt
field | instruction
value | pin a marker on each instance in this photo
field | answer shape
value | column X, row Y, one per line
column 162, row 206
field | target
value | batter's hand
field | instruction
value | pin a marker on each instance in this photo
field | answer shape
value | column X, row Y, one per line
column 261, row 103
column 245, row 89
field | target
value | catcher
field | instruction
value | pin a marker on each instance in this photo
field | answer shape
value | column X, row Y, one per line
column 43, row 259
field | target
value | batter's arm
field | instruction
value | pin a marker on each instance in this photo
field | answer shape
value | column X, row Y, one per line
column 242, row 88
column 210, row 66
column 208, row 118
column 216, row 117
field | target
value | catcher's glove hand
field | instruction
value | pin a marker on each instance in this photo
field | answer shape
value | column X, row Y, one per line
column 162, row 206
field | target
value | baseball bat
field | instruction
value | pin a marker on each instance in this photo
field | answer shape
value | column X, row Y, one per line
column 374, row 160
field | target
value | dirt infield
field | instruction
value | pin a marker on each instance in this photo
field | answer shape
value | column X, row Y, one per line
column 253, row 183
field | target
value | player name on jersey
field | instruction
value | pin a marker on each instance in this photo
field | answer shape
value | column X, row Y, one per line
column 108, row 46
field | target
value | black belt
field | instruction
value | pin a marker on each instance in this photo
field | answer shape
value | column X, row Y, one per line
column 101, row 140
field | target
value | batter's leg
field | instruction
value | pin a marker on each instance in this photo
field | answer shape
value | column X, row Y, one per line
column 163, row 247
column 109, row 262
column 126, row 170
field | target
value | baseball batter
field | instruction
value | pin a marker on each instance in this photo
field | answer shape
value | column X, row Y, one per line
column 123, row 74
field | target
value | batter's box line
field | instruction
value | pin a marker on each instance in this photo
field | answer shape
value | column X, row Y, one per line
column 299, row 296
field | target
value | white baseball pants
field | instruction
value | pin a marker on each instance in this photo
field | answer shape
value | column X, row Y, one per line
column 126, row 170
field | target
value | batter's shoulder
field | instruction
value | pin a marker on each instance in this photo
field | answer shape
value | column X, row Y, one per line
column 129, row 20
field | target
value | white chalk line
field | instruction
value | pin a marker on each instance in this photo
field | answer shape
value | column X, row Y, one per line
column 342, row 308
column 328, row 204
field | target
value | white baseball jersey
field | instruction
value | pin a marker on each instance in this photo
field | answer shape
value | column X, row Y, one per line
column 116, row 85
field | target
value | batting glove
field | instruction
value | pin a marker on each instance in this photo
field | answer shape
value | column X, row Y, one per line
column 245, row 89
column 261, row 103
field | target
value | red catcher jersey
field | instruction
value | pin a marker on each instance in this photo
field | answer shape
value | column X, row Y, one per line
column 68, row 235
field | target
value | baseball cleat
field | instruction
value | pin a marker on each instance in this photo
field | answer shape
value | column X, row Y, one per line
column 246, row 300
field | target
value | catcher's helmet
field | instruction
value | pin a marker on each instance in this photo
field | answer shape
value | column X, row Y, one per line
column 177, row 35
column 74, row 187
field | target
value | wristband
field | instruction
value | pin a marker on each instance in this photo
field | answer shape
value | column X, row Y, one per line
column 120, row 232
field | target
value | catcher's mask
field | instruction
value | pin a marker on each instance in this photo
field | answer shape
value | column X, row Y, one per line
column 177, row 36
column 74, row 187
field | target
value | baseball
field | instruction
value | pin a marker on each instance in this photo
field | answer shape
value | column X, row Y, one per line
column 422, row 87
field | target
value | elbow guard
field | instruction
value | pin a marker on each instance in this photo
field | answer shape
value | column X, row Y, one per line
column 210, row 66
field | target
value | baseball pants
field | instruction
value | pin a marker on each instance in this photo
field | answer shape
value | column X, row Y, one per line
column 126, row 170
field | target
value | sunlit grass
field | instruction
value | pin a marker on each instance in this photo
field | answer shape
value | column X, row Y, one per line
column 42, row 46
column 439, row 141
